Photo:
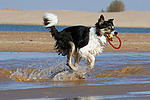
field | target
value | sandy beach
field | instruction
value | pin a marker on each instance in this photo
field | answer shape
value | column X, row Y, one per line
column 43, row 42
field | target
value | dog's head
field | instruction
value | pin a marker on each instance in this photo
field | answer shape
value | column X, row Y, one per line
column 105, row 28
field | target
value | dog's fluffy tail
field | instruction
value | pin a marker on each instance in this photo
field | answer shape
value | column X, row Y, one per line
column 61, row 46
column 50, row 20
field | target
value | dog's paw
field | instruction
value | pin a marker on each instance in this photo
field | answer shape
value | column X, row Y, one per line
column 81, row 77
column 75, row 69
column 72, row 67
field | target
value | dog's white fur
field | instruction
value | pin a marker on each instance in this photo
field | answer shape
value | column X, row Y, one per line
column 93, row 48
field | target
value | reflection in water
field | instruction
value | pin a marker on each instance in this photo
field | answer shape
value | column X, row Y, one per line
column 130, row 95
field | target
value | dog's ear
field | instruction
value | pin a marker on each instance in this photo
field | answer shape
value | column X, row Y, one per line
column 111, row 21
column 101, row 19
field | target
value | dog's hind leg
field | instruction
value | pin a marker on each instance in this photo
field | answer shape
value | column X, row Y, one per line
column 77, row 58
column 71, row 52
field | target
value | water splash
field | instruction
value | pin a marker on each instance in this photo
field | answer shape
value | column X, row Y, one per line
column 43, row 71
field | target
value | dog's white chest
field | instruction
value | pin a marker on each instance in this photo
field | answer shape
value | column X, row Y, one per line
column 95, row 45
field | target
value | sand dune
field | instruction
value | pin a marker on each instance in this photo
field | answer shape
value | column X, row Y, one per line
column 66, row 17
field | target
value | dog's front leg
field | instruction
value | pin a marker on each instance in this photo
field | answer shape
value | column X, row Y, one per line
column 91, row 59
column 71, row 52
column 92, row 62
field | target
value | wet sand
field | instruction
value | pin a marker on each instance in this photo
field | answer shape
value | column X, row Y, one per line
column 88, row 92
column 43, row 42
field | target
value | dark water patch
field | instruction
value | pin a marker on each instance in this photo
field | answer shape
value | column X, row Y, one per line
column 132, row 30
column 40, row 28
column 26, row 28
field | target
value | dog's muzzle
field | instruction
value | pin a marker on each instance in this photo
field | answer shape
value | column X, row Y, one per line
column 115, row 33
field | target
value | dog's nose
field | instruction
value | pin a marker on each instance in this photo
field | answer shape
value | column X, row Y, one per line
column 115, row 33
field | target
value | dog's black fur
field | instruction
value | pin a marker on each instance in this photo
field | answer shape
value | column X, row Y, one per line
column 79, row 35
column 71, row 39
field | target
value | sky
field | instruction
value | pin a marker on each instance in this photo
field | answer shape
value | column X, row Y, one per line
column 76, row 5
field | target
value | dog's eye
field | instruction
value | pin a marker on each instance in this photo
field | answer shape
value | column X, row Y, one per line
column 109, row 27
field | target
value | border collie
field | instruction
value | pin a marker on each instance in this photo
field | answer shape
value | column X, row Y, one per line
column 80, row 41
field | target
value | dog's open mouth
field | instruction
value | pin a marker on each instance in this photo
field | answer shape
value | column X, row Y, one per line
column 110, row 37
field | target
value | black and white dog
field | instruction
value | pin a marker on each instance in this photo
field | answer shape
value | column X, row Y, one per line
column 80, row 41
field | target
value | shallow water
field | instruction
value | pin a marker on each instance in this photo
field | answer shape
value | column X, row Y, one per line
column 21, row 70
column 40, row 28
